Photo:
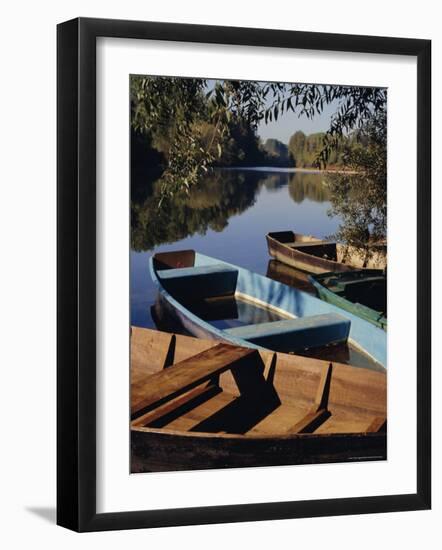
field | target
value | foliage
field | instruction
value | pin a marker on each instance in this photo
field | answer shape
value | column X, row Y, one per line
column 355, row 107
column 242, row 146
column 305, row 149
column 277, row 152
column 169, row 111
column 192, row 120
column 361, row 200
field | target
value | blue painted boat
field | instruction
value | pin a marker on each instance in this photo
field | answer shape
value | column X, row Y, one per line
column 196, row 289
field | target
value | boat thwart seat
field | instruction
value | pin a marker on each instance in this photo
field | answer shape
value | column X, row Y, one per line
column 171, row 382
column 296, row 334
column 312, row 245
column 319, row 249
column 200, row 282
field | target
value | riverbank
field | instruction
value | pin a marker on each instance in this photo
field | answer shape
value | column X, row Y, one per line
column 290, row 170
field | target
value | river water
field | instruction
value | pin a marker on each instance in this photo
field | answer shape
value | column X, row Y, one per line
column 227, row 216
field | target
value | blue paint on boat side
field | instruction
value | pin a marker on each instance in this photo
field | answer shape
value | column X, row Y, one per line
column 296, row 334
column 287, row 299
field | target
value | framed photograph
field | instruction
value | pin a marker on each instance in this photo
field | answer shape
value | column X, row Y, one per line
column 236, row 209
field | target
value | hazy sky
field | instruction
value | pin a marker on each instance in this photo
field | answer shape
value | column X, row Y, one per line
column 289, row 123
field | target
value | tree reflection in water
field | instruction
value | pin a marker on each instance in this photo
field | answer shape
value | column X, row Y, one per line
column 207, row 206
column 225, row 193
column 304, row 185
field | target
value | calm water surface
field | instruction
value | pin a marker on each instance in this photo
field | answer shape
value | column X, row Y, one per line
column 268, row 202
column 227, row 217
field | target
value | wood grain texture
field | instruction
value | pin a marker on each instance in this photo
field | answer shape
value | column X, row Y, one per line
column 276, row 397
column 176, row 407
column 181, row 377
column 311, row 421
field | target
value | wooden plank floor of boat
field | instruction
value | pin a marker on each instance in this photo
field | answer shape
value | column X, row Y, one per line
column 280, row 420
column 201, row 405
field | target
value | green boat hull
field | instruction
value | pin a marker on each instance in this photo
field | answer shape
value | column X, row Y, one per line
column 331, row 287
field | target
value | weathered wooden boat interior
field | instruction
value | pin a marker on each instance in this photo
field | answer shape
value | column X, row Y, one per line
column 183, row 385
column 307, row 243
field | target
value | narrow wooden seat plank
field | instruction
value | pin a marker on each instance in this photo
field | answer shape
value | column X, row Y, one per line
column 181, row 377
column 279, row 421
column 193, row 418
column 311, row 244
column 310, row 422
column 175, row 405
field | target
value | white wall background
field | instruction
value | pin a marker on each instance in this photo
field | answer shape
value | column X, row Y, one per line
column 27, row 275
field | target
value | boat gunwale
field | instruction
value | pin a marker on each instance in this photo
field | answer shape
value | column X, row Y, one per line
column 276, row 436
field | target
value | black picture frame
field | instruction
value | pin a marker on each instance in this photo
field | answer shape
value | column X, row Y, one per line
column 76, row 274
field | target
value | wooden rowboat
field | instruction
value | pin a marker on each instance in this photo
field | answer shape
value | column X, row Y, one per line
column 290, row 276
column 362, row 292
column 198, row 404
column 209, row 298
column 314, row 255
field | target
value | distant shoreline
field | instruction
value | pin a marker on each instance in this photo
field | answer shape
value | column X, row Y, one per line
column 288, row 169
